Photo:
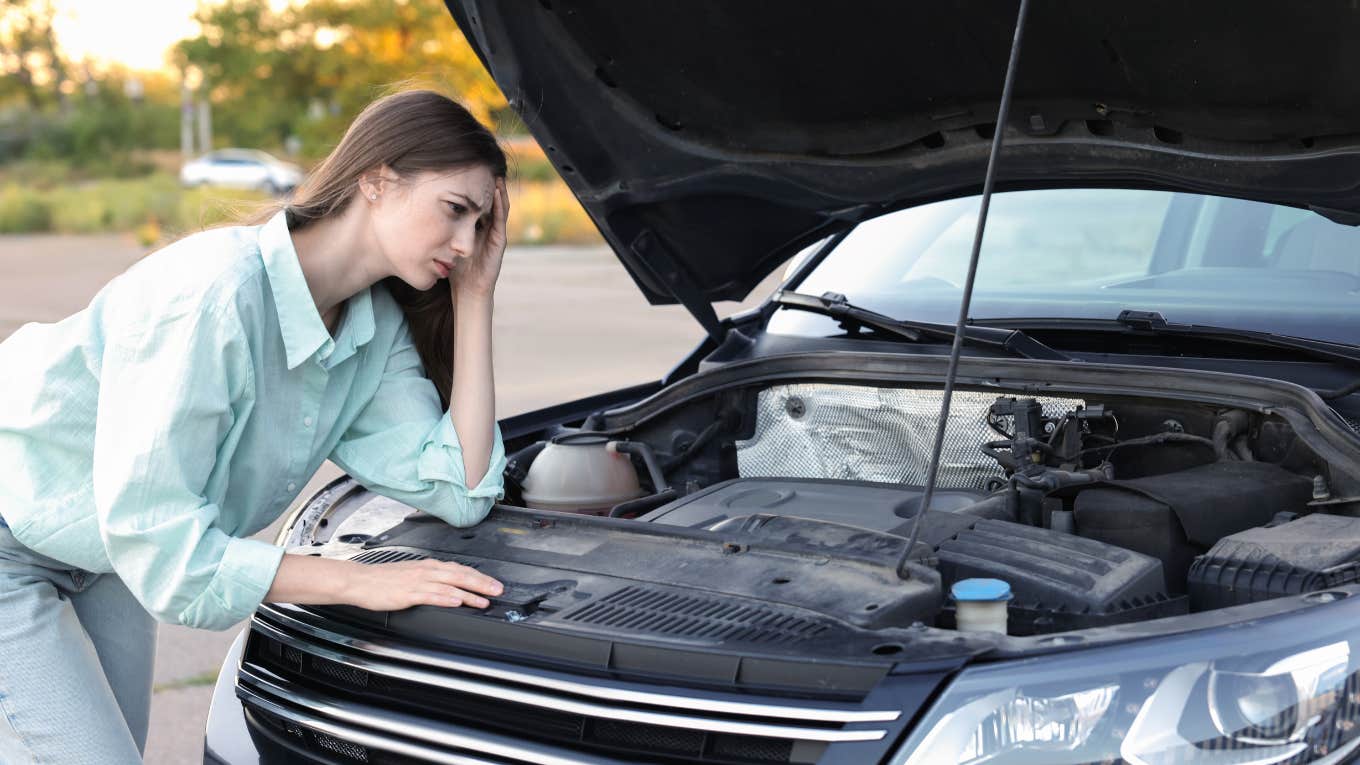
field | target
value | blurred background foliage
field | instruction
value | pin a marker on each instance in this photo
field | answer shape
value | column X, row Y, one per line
column 88, row 148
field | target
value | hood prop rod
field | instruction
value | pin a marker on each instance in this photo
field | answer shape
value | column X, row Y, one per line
column 1002, row 111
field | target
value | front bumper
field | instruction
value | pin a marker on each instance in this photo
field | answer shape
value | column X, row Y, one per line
column 237, row 737
column 298, row 688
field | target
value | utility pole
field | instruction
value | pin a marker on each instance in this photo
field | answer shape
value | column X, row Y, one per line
column 186, row 122
column 205, row 141
column 191, row 77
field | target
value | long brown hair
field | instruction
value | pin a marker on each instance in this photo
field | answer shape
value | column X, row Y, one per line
column 410, row 132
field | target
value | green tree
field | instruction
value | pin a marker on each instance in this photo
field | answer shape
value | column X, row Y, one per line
column 31, row 71
column 106, row 119
column 307, row 70
column 53, row 109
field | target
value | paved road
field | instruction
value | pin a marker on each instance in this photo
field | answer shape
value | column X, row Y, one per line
column 569, row 322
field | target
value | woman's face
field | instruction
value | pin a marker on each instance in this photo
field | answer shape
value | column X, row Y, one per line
column 424, row 223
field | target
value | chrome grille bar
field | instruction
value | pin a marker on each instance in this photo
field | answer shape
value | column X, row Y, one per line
column 562, row 703
column 322, row 714
column 294, row 619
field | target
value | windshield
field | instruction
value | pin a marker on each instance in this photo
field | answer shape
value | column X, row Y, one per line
column 1092, row 253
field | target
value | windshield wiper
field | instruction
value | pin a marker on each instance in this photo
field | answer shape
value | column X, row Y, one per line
column 850, row 316
column 1153, row 323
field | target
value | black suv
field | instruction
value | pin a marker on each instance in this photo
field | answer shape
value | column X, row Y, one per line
column 1147, row 530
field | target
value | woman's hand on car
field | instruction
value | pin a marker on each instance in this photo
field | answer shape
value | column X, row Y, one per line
column 476, row 275
column 394, row 586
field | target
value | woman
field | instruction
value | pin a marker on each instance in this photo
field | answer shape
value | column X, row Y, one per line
column 145, row 437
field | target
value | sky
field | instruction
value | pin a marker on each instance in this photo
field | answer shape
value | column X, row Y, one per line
column 137, row 34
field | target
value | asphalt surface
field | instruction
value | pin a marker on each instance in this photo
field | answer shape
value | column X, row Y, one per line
column 569, row 322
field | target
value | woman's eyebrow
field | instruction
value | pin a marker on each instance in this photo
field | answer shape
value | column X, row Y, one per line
column 475, row 207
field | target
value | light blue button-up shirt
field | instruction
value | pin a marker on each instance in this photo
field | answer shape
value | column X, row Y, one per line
column 182, row 410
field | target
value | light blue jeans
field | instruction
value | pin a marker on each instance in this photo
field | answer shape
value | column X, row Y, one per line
column 76, row 658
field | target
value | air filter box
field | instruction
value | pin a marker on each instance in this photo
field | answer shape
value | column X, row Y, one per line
column 1060, row 581
column 1175, row 516
column 1311, row 553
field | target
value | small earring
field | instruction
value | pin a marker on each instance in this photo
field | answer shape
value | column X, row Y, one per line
column 372, row 196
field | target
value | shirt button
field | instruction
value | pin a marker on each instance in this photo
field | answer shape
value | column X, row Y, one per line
column 307, row 421
column 292, row 486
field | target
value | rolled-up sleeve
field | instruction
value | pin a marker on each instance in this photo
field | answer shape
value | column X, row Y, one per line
column 404, row 446
column 167, row 392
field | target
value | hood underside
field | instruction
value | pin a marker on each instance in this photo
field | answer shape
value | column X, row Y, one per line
column 708, row 140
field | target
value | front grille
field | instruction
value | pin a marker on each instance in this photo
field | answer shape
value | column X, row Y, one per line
column 649, row 738
column 645, row 610
column 342, row 673
column 319, row 745
column 341, row 747
column 305, row 669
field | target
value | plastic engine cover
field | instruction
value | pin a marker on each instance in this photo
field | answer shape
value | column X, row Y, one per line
column 1308, row 554
column 1059, row 581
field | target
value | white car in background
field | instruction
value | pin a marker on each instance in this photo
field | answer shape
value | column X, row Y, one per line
column 242, row 169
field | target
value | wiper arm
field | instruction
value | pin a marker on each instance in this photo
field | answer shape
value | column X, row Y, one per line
column 835, row 305
column 1153, row 322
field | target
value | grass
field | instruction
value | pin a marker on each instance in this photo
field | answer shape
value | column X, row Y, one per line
column 156, row 208
column 138, row 205
column 545, row 212
column 528, row 163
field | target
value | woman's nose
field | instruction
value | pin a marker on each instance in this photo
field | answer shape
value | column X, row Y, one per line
column 465, row 242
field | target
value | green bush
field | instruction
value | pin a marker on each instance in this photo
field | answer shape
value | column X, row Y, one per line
column 532, row 169
column 203, row 207
column 74, row 211
column 23, row 211
column 36, row 174
column 134, row 202
column 156, row 208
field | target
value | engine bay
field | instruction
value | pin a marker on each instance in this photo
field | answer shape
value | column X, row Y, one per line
column 741, row 526
column 1094, row 510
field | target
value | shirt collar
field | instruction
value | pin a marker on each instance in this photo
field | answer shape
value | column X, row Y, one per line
column 356, row 328
column 304, row 334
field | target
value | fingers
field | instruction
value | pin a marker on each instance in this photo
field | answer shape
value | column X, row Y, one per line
column 463, row 577
column 469, row 579
column 493, row 235
column 451, row 597
column 395, row 586
column 445, row 598
column 501, row 206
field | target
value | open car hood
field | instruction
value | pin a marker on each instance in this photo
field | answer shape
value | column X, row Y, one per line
column 708, row 141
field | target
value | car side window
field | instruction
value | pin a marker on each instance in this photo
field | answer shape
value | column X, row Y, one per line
column 1049, row 237
column 1284, row 220
column 1094, row 252
column 1314, row 243
column 1046, row 237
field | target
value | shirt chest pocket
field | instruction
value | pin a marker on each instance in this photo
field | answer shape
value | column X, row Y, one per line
column 273, row 460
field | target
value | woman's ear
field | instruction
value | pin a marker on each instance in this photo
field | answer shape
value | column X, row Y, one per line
column 369, row 187
column 374, row 183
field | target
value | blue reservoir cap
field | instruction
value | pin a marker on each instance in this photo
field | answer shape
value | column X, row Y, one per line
column 980, row 589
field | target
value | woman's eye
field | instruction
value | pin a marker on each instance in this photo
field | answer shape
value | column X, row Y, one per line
column 457, row 208
column 480, row 224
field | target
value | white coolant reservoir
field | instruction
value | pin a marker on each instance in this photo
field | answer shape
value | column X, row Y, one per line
column 980, row 605
column 577, row 473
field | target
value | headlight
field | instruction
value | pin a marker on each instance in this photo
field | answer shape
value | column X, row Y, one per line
column 1283, row 691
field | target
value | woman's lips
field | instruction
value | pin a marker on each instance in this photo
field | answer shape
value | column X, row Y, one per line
column 444, row 268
